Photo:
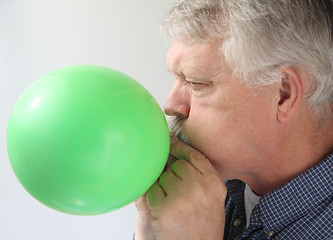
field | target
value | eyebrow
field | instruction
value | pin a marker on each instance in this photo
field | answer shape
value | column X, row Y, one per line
column 175, row 71
column 193, row 74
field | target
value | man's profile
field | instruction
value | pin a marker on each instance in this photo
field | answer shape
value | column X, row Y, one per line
column 253, row 130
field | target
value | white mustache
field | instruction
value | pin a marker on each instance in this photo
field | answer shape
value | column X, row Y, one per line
column 176, row 128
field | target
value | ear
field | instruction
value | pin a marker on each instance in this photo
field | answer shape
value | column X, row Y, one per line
column 290, row 95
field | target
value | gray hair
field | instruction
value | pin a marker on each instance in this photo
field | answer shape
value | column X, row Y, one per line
column 259, row 37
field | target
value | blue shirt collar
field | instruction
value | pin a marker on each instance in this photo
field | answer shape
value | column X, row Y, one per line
column 283, row 206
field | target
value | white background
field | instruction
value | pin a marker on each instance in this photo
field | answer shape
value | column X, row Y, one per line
column 38, row 36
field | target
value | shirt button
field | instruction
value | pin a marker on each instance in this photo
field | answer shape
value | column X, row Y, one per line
column 270, row 233
column 237, row 222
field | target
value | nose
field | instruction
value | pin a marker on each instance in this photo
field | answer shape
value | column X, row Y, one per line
column 177, row 103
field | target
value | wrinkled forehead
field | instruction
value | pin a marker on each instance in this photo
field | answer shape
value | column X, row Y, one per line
column 184, row 56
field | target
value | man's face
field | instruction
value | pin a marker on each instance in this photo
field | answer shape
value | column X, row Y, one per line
column 225, row 120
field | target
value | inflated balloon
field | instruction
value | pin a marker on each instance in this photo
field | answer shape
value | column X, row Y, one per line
column 87, row 140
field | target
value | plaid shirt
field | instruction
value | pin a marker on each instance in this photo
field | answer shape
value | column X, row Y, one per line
column 301, row 209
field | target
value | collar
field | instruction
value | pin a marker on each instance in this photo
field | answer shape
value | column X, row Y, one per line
column 285, row 205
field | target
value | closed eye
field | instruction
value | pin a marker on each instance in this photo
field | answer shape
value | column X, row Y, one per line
column 196, row 84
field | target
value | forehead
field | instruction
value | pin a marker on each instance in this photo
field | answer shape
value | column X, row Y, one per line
column 195, row 57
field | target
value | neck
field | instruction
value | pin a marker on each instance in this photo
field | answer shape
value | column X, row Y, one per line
column 302, row 146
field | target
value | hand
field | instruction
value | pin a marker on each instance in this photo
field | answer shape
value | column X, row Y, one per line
column 188, row 201
column 144, row 228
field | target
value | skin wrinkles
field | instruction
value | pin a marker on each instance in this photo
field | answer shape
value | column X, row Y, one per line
column 236, row 132
column 264, row 135
column 188, row 68
column 221, row 110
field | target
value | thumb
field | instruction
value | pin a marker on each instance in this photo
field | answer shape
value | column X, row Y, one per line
column 142, row 208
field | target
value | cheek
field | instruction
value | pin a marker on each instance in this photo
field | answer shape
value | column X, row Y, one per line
column 205, row 128
column 227, row 135
column 210, row 119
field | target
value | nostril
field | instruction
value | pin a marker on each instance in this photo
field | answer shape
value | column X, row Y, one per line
column 183, row 110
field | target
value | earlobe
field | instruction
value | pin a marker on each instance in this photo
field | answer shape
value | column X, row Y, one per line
column 290, row 94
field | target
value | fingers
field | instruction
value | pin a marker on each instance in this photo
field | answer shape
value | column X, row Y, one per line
column 183, row 169
column 141, row 203
column 155, row 195
column 183, row 151
column 191, row 163
column 171, row 160
column 168, row 181
column 163, row 188
column 144, row 228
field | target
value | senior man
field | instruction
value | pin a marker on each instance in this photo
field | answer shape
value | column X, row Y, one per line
column 253, row 128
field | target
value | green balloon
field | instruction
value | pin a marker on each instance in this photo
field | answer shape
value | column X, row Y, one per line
column 87, row 140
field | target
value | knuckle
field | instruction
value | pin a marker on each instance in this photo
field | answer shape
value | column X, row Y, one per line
column 164, row 177
column 150, row 191
column 179, row 164
column 193, row 154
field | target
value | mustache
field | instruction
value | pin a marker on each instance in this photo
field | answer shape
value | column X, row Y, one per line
column 176, row 129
